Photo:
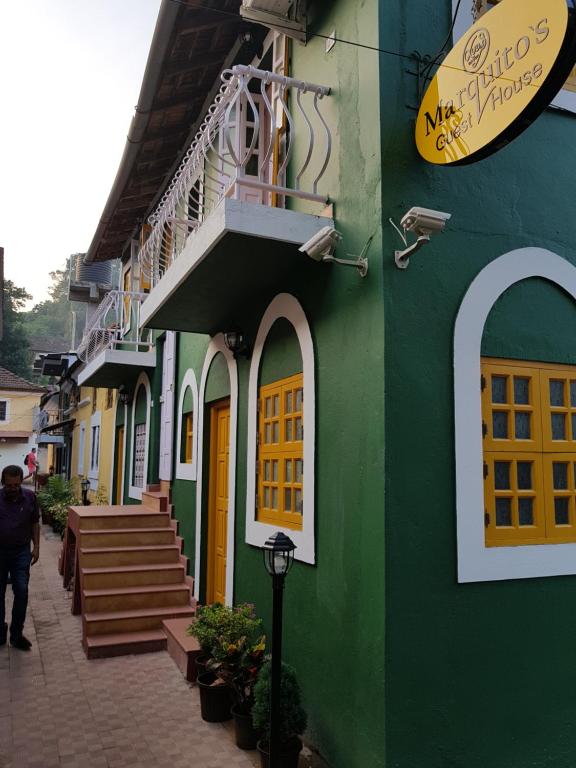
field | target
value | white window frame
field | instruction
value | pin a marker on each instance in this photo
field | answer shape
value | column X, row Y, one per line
column 113, row 468
column 476, row 561
column 94, row 468
column 134, row 491
column 186, row 471
column 81, row 447
column 286, row 306
column 564, row 99
column 7, row 419
column 217, row 345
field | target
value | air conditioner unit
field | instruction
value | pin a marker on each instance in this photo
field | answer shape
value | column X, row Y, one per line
column 279, row 7
column 286, row 16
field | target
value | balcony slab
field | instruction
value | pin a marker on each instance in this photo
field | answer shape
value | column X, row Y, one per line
column 240, row 251
column 113, row 367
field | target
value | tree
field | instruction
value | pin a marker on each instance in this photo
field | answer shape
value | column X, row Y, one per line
column 14, row 346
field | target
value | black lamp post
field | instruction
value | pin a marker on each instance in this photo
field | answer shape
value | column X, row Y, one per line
column 85, row 488
column 278, row 557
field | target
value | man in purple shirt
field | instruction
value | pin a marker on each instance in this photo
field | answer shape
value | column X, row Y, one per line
column 18, row 527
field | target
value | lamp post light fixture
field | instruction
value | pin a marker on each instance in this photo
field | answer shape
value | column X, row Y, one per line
column 85, row 484
column 237, row 344
column 278, row 557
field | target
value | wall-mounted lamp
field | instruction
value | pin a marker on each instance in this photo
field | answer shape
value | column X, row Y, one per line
column 237, row 344
column 123, row 395
column 321, row 247
column 85, row 484
column 423, row 222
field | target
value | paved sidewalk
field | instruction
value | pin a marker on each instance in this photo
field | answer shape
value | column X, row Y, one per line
column 59, row 709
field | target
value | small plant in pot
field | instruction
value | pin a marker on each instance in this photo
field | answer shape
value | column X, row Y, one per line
column 208, row 625
column 293, row 718
column 238, row 665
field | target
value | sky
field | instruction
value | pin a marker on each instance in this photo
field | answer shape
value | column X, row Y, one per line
column 70, row 75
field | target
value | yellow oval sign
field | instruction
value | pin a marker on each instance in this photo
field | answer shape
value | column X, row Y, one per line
column 496, row 80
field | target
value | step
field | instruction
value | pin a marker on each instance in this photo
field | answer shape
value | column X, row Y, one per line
column 106, row 623
column 134, row 598
column 122, row 644
column 133, row 575
column 102, row 557
column 155, row 500
column 127, row 536
column 183, row 648
column 117, row 517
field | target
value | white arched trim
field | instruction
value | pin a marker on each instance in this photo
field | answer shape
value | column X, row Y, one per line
column 217, row 345
column 143, row 381
column 186, row 471
column 113, row 464
column 284, row 306
column 476, row 562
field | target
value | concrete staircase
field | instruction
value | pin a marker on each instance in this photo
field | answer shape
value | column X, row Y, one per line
column 132, row 575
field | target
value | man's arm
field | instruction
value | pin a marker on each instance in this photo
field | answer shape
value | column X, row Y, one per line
column 35, row 542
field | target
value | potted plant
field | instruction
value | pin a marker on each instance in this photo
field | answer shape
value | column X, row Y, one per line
column 238, row 665
column 54, row 500
column 292, row 716
column 221, row 631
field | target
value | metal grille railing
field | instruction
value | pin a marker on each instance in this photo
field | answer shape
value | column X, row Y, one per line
column 264, row 138
column 115, row 323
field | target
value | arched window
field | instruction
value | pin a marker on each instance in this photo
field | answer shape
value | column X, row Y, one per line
column 482, row 557
column 140, row 437
column 280, row 463
column 187, row 428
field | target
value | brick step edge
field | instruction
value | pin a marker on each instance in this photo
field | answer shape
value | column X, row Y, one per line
column 125, row 643
column 183, row 649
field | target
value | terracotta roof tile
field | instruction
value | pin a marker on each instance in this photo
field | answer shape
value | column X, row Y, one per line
column 9, row 380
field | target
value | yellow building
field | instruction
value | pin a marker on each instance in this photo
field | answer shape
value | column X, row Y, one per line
column 18, row 401
column 92, row 441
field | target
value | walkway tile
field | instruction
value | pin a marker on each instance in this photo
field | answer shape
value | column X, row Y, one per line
column 60, row 710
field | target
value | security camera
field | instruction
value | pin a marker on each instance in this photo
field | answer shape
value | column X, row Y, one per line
column 321, row 244
column 424, row 221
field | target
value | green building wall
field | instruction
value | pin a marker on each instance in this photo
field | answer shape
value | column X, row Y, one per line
column 477, row 675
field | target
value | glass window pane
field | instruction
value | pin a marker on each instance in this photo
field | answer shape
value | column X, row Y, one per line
column 299, row 428
column 524, row 475
column 275, row 471
column 266, row 470
column 268, row 433
column 573, row 394
column 526, row 511
column 299, row 399
column 560, row 475
column 558, row 426
column 499, row 389
column 503, row 512
column 287, row 499
column 276, row 405
column 288, row 430
column 522, row 426
column 268, row 408
column 299, row 466
column 556, row 392
column 562, row 510
column 275, row 432
column 267, row 497
column 288, row 471
column 288, row 407
column 574, row 426
column 297, row 500
column 521, row 391
column 500, row 425
column 274, row 498
column 502, row 475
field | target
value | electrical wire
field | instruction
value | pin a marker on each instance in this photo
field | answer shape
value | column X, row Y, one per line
column 376, row 49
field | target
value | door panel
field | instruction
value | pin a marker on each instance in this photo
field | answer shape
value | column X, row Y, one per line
column 119, row 463
column 167, row 409
column 218, row 502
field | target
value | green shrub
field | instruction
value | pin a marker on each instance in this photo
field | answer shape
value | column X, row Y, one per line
column 56, row 496
column 293, row 718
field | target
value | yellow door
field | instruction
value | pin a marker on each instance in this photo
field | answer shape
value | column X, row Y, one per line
column 119, row 463
column 218, row 502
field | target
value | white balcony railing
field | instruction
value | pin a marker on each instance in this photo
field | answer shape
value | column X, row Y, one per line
column 264, row 138
column 115, row 325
